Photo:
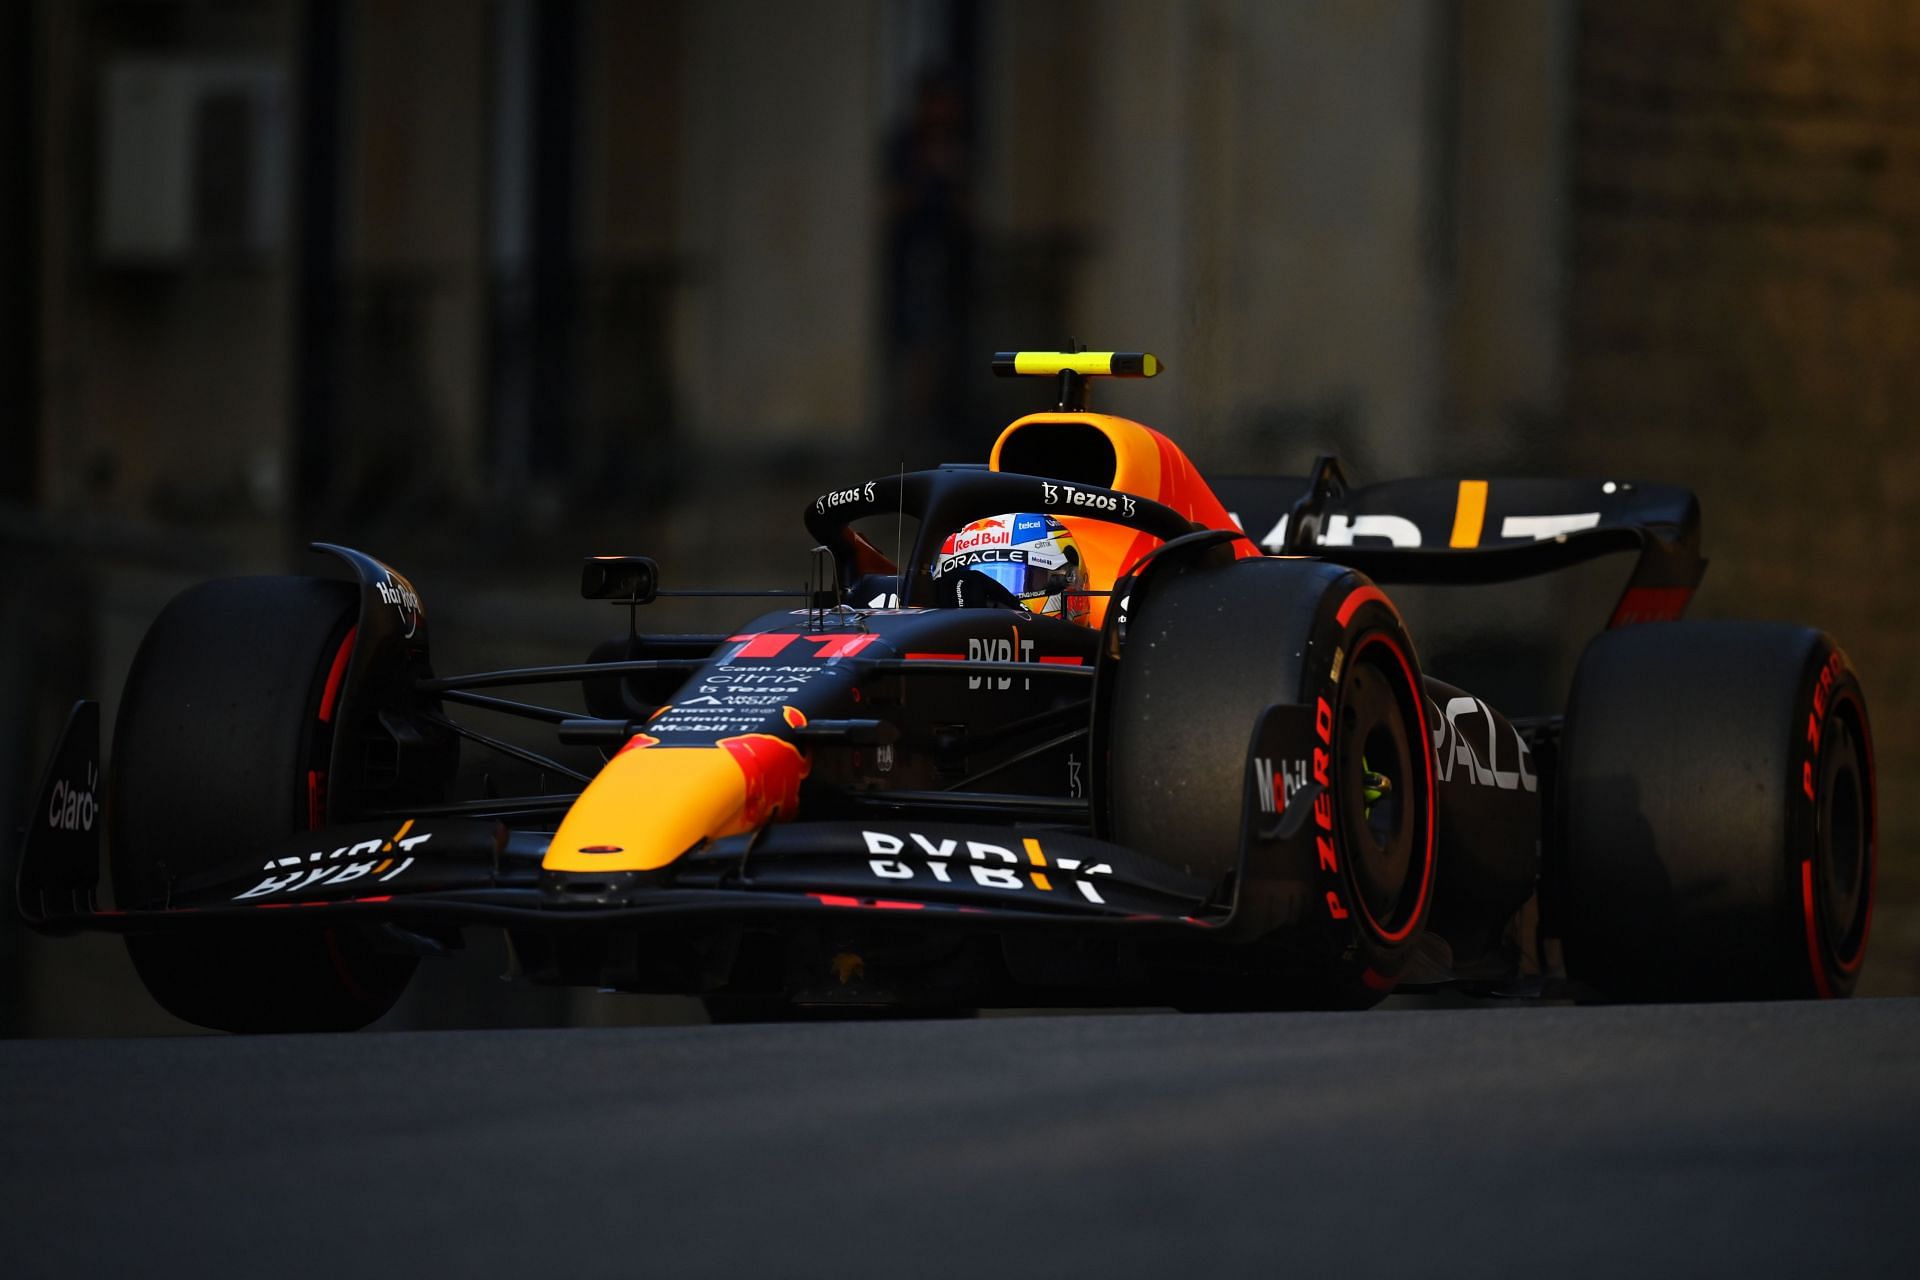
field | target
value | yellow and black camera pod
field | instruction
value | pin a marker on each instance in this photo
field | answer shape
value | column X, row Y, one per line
column 1073, row 368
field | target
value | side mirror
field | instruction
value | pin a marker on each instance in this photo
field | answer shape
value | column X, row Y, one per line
column 632, row 579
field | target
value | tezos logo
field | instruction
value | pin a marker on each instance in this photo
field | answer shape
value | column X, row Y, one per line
column 397, row 592
column 70, row 808
column 841, row 497
column 1072, row 497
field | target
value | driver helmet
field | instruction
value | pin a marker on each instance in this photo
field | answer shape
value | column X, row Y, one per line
column 1033, row 557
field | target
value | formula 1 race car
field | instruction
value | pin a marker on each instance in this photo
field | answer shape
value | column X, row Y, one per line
column 1220, row 780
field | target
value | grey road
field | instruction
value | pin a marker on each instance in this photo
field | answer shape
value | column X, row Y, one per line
column 1732, row 1140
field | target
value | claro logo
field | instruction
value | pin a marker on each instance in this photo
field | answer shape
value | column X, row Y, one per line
column 72, row 809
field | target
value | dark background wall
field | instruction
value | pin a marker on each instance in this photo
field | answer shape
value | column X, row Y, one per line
column 483, row 286
column 1745, row 315
column 19, row 279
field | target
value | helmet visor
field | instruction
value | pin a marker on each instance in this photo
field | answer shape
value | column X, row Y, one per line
column 1031, row 557
column 1023, row 580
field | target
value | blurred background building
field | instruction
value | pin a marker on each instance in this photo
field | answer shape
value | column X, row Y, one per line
column 485, row 285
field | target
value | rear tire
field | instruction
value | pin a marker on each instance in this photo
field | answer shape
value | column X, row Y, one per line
column 1206, row 652
column 1716, row 814
column 221, row 748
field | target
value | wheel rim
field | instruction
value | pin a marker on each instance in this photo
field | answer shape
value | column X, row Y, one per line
column 1843, row 848
column 1388, row 843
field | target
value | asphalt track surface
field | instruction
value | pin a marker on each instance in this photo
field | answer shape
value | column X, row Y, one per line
column 1730, row 1140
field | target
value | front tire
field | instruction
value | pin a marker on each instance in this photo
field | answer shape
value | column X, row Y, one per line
column 221, row 748
column 1716, row 814
column 1206, row 651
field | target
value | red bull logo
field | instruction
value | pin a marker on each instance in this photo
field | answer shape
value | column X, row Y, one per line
column 981, row 533
column 773, row 769
column 653, row 802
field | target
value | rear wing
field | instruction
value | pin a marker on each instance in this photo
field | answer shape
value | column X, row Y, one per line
column 1437, row 530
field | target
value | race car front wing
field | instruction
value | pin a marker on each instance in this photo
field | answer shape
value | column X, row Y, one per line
column 460, row 870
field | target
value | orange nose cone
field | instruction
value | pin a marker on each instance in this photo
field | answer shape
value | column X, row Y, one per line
column 651, row 804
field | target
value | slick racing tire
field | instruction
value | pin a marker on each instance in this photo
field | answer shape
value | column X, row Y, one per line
column 1206, row 651
column 1715, row 815
column 221, row 748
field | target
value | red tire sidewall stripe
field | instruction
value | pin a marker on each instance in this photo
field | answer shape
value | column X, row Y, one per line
column 1816, row 958
column 1817, row 952
column 1851, row 964
column 1363, row 595
column 329, row 702
column 317, row 800
column 1873, row 824
column 337, row 675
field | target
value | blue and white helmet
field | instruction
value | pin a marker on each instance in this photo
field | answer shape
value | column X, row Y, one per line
column 1033, row 556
